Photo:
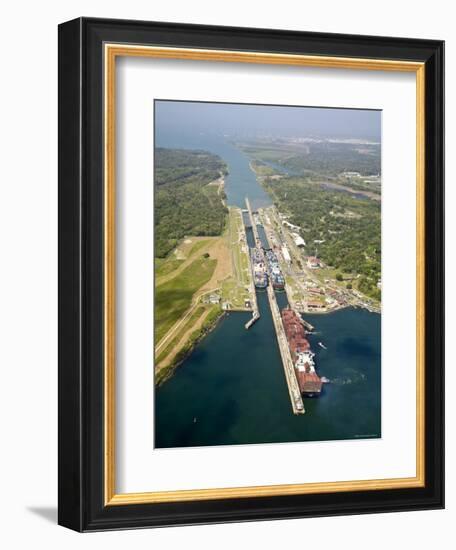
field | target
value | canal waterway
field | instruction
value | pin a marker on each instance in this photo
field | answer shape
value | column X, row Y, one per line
column 231, row 389
column 241, row 181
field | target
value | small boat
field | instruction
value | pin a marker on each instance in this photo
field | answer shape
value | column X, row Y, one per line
column 322, row 345
column 194, row 420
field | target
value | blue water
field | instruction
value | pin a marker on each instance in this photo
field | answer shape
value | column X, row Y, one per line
column 241, row 180
column 233, row 383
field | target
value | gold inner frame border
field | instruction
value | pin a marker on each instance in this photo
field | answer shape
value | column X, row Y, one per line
column 111, row 52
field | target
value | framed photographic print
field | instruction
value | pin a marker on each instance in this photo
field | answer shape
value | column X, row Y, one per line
column 250, row 274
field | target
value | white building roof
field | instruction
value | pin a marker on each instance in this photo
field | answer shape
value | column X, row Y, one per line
column 298, row 240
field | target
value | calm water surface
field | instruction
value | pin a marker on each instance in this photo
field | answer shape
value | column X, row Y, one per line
column 241, row 181
column 232, row 388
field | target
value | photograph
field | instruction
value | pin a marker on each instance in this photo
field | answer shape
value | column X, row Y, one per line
column 267, row 273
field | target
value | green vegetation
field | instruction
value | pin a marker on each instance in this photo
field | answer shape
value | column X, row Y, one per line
column 164, row 268
column 198, row 246
column 322, row 158
column 197, row 313
column 174, row 298
column 214, row 314
column 184, row 166
column 235, row 289
column 184, row 202
column 343, row 229
column 262, row 169
column 239, row 250
column 209, row 323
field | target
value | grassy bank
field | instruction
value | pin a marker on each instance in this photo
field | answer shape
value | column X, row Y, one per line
column 163, row 267
column 174, row 342
column 174, row 298
column 234, row 288
column 209, row 324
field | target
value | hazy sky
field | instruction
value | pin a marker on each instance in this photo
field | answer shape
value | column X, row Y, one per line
column 249, row 120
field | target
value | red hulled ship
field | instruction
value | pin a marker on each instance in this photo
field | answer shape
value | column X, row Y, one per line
column 310, row 383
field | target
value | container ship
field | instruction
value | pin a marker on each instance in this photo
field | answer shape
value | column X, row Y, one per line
column 260, row 276
column 309, row 382
column 275, row 274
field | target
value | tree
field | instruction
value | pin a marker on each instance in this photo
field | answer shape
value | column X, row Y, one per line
column 184, row 203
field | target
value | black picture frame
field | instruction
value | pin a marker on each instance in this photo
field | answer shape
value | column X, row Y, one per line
column 81, row 471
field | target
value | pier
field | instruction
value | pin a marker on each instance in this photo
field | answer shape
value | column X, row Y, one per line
column 288, row 367
column 256, row 311
column 297, row 403
column 254, row 319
